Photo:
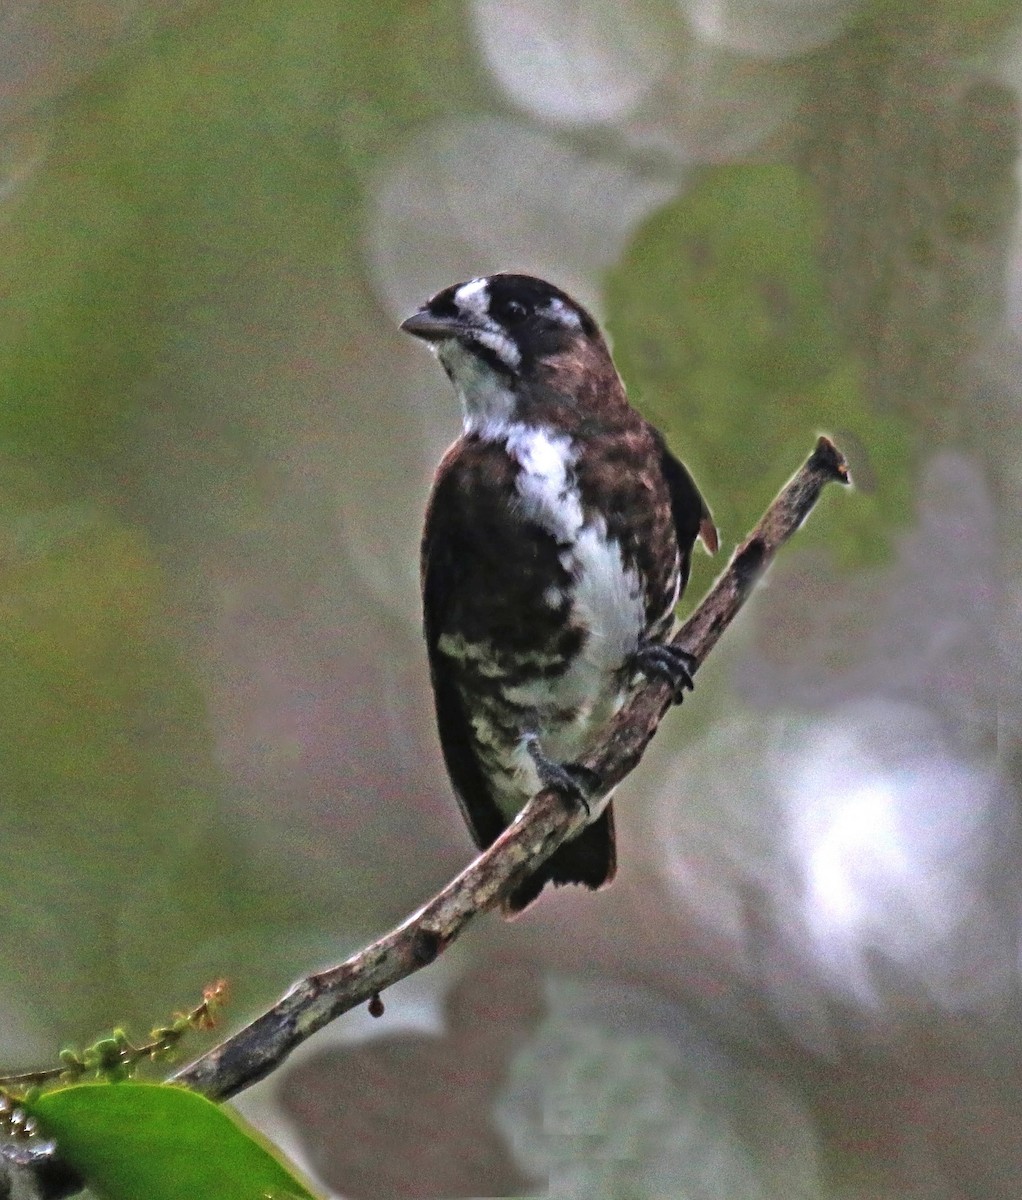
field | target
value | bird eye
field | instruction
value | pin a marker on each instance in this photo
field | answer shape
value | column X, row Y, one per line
column 515, row 310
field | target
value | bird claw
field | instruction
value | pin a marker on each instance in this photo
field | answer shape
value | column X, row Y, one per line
column 657, row 660
column 576, row 783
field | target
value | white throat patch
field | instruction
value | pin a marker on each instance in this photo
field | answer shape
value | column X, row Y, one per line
column 486, row 400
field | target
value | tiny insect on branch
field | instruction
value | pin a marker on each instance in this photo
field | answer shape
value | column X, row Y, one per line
column 545, row 822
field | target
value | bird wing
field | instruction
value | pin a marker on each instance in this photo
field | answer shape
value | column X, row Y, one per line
column 692, row 516
column 460, row 544
column 445, row 568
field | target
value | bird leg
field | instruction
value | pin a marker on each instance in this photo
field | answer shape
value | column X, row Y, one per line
column 659, row 661
column 576, row 783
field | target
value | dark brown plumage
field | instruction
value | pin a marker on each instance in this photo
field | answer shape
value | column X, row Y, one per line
column 557, row 541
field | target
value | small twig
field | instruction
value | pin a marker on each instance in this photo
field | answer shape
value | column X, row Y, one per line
column 36, row 1163
column 540, row 828
column 116, row 1056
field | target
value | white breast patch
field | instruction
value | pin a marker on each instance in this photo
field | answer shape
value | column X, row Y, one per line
column 545, row 481
column 606, row 598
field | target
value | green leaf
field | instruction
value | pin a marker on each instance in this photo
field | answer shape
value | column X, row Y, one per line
column 130, row 1140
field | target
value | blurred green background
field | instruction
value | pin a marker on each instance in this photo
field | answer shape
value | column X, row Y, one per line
column 216, row 736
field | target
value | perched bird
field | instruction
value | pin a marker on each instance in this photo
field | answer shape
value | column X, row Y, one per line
column 557, row 542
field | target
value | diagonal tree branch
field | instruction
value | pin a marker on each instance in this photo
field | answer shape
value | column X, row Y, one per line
column 544, row 823
column 540, row 828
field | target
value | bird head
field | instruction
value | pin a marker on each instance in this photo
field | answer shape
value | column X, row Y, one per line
column 507, row 341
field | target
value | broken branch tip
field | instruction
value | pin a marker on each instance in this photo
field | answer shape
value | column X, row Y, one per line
column 829, row 459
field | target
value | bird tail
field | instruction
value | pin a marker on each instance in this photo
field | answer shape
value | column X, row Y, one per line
column 589, row 859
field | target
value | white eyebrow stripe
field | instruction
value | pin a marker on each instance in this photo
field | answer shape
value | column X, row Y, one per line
column 563, row 313
column 474, row 297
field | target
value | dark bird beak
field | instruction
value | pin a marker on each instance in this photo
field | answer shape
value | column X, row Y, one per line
column 431, row 328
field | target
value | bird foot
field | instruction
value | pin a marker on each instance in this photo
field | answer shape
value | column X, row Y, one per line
column 657, row 660
column 576, row 783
